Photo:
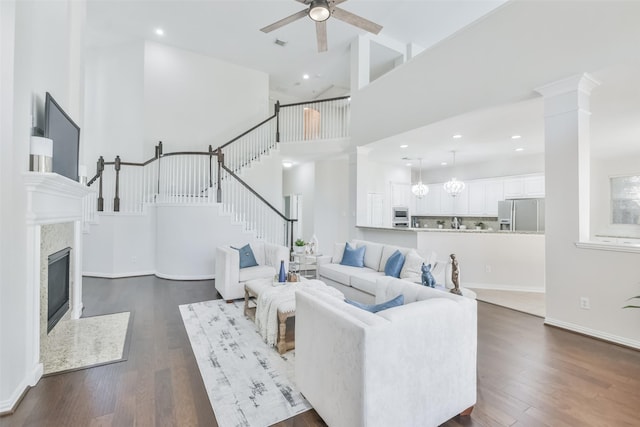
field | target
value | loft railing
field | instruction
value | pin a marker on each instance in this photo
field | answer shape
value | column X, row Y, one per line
column 314, row 120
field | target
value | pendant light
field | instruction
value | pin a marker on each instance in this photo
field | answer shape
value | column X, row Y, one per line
column 453, row 187
column 420, row 190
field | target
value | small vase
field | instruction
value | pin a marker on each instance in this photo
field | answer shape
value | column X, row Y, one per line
column 282, row 277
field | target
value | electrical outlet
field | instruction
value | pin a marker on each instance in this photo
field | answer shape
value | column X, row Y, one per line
column 487, row 268
column 584, row 303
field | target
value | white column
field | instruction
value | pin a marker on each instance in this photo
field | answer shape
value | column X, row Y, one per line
column 360, row 58
column 567, row 159
column 33, row 309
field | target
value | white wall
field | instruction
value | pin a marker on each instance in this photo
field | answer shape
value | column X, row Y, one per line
column 496, row 168
column 476, row 69
column 192, row 100
column 44, row 56
column 324, row 186
column 601, row 171
column 301, row 180
column 331, row 203
column 121, row 245
column 265, row 177
column 114, row 120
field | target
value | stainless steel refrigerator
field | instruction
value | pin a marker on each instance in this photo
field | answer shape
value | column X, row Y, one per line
column 521, row 214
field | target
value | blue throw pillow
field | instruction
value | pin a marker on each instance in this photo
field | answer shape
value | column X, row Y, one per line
column 247, row 259
column 394, row 264
column 427, row 277
column 397, row 301
column 353, row 257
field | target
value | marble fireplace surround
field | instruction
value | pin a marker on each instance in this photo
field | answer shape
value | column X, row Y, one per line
column 51, row 199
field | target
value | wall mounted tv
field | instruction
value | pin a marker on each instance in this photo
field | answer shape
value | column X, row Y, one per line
column 65, row 134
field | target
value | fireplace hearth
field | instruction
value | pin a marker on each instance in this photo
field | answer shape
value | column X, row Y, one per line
column 58, row 287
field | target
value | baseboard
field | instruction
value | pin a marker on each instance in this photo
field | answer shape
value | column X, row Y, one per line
column 118, row 275
column 8, row 406
column 496, row 287
column 593, row 333
column 149, row 273
column 190, row 277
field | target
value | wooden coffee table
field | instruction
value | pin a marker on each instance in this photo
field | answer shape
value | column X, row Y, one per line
column 286, row 311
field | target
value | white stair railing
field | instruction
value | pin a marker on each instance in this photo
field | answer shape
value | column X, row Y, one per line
column 249, row 208
column 186, row 179
column 251, row 145
column 318, row 120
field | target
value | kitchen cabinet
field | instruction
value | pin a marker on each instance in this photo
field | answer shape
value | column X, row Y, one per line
column 493, row 193
column 460, row 202
column 524, row 186
column 476, row 197
column 400, row 193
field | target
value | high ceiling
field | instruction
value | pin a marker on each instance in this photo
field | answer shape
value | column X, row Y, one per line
column 229, row 30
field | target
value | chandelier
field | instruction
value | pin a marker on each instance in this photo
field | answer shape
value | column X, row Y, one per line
column 420, row 190
column 453, row 187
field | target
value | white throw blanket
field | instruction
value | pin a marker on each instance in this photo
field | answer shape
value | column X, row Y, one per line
column 283, row 297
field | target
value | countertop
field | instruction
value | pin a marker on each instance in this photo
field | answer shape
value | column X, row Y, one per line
column 447, row 230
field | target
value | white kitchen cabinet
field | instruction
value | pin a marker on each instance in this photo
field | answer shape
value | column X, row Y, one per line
column 524, row 186
column 513, row 187
column 460, row 202
column 493, row 193
column 476, row 197
column 400, row 193
column 534, row 186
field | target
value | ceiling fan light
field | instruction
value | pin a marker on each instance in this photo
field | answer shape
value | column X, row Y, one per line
column 319, row 10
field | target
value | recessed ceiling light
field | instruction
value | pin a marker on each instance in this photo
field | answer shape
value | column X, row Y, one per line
column 409, row 164
column 404, row 146
column 516, row 137
column 160, row 31
column 519, row 149
column 443, row 164
column 287, row 164
column 457, row 136
column 305, row 76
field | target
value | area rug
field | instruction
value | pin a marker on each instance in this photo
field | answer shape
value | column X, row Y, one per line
column 86, row 342
column 248, row 382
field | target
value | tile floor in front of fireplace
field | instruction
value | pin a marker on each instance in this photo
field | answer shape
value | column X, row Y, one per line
column 85, row 342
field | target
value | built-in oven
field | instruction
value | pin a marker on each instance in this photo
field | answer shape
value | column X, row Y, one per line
column 400, row 217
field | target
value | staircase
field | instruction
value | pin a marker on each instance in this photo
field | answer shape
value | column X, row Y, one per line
column 214, row 177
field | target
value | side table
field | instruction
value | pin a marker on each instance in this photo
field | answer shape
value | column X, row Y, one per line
column 307, row 264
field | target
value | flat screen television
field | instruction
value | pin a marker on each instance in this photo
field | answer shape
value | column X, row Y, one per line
column 65, row 134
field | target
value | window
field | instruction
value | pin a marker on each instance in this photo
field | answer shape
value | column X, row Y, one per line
column 625, row 199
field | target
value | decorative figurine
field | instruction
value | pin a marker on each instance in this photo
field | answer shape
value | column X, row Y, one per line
column 455, row 275
column 427, row 277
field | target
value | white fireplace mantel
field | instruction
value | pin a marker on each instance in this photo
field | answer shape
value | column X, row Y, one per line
column 51, row 199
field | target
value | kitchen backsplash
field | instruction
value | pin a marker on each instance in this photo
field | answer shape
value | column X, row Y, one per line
column 469, row 223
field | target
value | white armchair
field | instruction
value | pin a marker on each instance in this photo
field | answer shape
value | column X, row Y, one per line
column 413, row 365
column 230, row 278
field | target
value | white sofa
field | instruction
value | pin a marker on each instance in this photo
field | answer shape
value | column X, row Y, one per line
column 230, row 278
column 359, row 283
column 413, row 365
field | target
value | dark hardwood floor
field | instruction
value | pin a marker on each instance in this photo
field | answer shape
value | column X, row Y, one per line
column 528, row 374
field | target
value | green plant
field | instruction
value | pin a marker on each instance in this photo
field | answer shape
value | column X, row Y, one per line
column 479, row 224
column 299, row 242
column 632, row 306
column 440, row 222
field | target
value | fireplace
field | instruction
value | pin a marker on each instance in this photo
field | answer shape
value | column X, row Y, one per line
column 58, row 287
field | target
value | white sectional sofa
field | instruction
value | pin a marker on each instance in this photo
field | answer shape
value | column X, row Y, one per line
column 412, row 365
column 360, row 283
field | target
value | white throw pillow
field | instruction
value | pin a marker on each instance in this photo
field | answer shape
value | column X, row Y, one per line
column 412, row 265
column 372, row 254
column 258, row 252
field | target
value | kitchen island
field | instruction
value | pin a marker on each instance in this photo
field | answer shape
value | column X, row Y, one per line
column 491, row 259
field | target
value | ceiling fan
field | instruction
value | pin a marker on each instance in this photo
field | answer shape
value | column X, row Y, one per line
column 320, row 11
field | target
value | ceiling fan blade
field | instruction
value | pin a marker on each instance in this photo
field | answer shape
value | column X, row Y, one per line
column 284, row 21
column 356, row 20
column 321, row 35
